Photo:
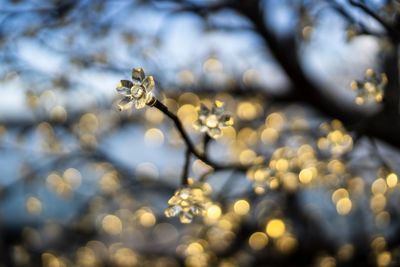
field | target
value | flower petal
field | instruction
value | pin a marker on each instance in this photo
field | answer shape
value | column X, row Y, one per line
column 149, row 99
column 203, row 111
column 124, row 103
column 138, row 74
column 172, row 211
column 215, row 133
column 186, row 217
column 197, row 210
column 140, row 103
column 149, row 83
column 226, row 120
column 124, row 87
column 197, row 124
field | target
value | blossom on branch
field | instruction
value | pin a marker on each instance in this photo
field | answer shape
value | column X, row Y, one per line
column 211, row 121
column 187, row 202
column 137, row 92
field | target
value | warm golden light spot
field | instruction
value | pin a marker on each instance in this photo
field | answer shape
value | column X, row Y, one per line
column 306, row 32
column 274, row 183
column 258, row 240
column 343, row 206
column 154, row 116
column 86, row 257
column 379, row 243
column 58, row 113
column 147, row 170
column 282, row 165
column 246, row 111
column 194, row 248
column 57, row 184
column 154, row 137
column 345, row 252
column 259, row 190
column 250, row 77
column 225, row 224
column 248, row 136
column 382, row 219
column 88, row 140
column 275, row 120
column 339, row 194
column 323, row 143
column 125, row 257
column 287, row 243
column 384, row 259
column 186, row 77
column 327, row 262
column 213, row 65
column 335, row 136
column 275, row 228
column 379, row 186
column 88, row 123
column 33, row 205
column 269, row 135
column 73, row 177
column 359, row 100
column 241, row 207
column 247, row 156
column 336, row 166
column 369, row 72
column 228, row 134
column 112, row 224
column 356, row 185
column 109, row 182
column 227, row 263
column 290, row 181
column 50, row 260
column 378, row 202
column 391, row 180
column 306, row 175
column 171, row 104
column 214, row 212
column 147, row 219
column 187, row 114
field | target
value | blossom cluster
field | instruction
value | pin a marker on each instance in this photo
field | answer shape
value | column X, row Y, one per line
column 188, row 202
column 137, row 91
column 211, row 121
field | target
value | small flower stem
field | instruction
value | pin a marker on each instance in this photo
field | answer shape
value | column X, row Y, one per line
column 189, row 144
column 185, row 172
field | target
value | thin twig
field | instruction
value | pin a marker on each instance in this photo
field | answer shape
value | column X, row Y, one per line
column 390, row 30
column 185, row 172
column 190, row 146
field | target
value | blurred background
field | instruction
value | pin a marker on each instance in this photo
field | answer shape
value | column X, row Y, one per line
column 82, row 184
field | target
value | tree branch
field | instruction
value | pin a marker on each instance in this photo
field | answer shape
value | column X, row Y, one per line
column 390, row 30
column 188, row 142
